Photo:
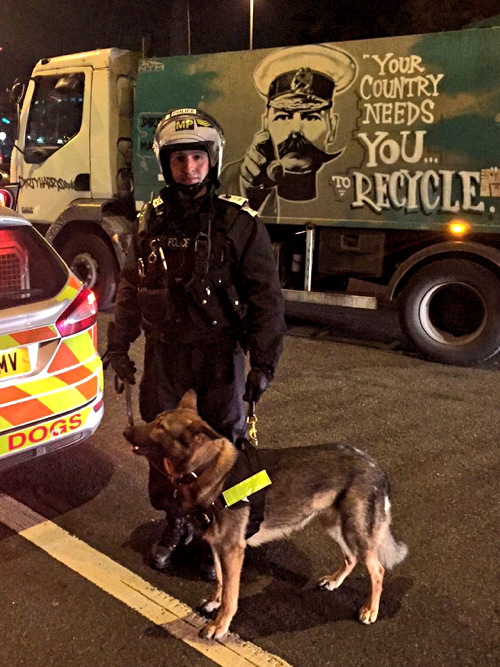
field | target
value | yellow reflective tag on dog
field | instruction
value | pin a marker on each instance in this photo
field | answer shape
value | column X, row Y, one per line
column 245, row 488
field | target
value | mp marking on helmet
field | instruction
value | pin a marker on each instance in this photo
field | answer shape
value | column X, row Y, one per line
column 184, row 124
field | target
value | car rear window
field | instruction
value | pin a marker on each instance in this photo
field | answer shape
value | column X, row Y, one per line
column 30, row 270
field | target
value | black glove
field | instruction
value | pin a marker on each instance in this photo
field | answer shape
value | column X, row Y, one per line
column 123, row 366
column 256, row 384
column 117, row 353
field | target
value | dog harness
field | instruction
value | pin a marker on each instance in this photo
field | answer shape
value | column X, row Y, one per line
column 245, row 486
column 251, row 475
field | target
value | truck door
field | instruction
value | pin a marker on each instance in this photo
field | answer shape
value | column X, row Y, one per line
column 53, row 168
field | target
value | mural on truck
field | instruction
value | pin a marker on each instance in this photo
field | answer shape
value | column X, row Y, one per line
column 298, row 127
column 405, row 129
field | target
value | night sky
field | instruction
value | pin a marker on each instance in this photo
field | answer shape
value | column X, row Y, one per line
column 34, row 29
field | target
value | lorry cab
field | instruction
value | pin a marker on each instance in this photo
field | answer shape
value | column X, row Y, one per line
column 56, row 155
column 72, row 165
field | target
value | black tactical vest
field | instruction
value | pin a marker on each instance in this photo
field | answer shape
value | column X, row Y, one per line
column 185, row 266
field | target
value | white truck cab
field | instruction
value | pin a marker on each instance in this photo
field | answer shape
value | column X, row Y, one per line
column 73, row 160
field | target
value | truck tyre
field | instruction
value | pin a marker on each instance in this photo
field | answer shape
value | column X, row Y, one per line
column 450, row 311
column 90, row 258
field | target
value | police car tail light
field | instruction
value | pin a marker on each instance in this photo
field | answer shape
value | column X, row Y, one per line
column 80, row 315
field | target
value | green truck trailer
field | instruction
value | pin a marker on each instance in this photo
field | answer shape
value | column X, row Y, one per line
column 373, row 160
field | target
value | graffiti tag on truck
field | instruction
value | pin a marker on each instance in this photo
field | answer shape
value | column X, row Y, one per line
column 46, row 183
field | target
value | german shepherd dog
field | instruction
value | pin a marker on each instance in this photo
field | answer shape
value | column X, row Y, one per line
column 341, row 485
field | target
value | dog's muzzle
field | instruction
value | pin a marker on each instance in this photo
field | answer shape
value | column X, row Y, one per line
column 149, row 449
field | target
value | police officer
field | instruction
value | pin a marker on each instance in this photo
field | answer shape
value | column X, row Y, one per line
column 201, row 281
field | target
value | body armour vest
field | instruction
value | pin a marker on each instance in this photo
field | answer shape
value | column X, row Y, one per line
column 184, row 266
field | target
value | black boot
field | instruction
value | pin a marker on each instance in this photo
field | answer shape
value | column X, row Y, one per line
column 161, row 556
column 177, row 531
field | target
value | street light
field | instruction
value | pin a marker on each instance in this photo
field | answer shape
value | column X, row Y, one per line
column 251, row 25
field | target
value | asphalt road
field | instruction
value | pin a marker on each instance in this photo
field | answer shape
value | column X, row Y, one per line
column 433, row 427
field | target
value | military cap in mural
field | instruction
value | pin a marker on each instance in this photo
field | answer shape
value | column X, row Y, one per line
column 305, row 77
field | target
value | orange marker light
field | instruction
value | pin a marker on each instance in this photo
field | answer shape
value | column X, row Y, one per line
column 458, row 227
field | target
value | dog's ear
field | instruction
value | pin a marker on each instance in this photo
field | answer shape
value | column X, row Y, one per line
column 197, row 438
column 189, row 400
column 220, row 454
column 199, row 430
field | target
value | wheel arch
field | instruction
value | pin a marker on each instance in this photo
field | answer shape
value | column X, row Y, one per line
column 99, row 217
column 484, row 255
column 74, row 228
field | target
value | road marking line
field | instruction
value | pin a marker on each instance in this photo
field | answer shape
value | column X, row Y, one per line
column 160, row 608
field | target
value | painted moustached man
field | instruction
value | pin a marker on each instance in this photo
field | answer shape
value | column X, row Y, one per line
column 201, row 281
column 299, row 126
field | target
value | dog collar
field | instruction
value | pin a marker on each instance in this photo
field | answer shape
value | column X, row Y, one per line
column 187, row 478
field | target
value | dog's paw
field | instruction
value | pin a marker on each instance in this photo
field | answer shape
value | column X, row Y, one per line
column 328, row 584
column 367, row 615
column 208, row 608
column 212, row 631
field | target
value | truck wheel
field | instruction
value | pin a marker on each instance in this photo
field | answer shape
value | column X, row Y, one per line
column 90, row 258
column 450, row 310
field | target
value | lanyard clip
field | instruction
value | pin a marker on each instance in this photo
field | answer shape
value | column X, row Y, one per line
column 252, row 424
column 157, row 251
column 152, row 257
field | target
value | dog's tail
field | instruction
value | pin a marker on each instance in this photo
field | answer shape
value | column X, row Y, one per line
column 390, row 552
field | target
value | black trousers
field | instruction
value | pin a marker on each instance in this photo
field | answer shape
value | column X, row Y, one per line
column 216, row 371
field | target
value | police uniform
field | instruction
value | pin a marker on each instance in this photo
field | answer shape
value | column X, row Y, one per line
column 201, row 281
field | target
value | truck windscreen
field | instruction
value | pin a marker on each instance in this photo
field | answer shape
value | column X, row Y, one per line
column 55, row 115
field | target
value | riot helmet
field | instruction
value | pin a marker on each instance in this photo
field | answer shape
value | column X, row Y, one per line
column 189, row 129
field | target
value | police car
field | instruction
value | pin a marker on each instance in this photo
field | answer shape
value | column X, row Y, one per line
column 51, row 379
